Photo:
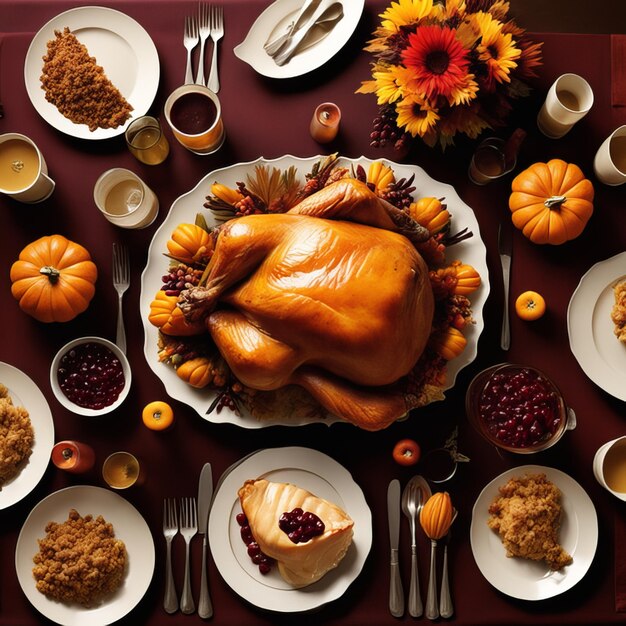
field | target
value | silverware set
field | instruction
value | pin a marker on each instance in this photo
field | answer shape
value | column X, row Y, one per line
column 190, row 518
column 410, row 502
column 207, row 24
column 313, row 13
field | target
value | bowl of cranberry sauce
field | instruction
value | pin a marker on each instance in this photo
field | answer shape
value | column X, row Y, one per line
column 517, row 408
column 90, row 376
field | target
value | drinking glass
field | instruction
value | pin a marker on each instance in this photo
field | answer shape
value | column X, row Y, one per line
column 325, row 122
column 194, row 114
column 73, row 456
column 489, row 162
column 568, row 100
column 609, row 467
column 124, row 199
column 121, row 470
column 146, row 141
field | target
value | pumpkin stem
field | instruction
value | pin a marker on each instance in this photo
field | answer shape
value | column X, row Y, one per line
column 52, row 273
column 554, row 200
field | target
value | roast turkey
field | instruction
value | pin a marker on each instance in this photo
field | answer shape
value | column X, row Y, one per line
column 332, row 296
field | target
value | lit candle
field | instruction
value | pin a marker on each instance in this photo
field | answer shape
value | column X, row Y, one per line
column 73, row 456
column 325, row 122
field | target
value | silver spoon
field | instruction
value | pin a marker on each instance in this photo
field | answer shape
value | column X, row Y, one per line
column 415, row 494
column 446, row 608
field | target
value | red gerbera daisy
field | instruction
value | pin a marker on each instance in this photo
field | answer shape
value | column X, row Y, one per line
column 439, row 60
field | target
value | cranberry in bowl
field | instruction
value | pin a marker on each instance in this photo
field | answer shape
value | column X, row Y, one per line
column 90, row 376
column 517, row 408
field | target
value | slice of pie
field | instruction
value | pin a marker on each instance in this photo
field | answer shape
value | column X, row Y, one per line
column 618, row 312
column 305, row 551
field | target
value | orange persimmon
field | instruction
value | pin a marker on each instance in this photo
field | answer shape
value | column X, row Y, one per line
column 530, row 306
column 157, row 415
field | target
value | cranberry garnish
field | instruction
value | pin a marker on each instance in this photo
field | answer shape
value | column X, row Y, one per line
column 263, row 561
column 91, row 376
column 301, row 526
column 520, row 408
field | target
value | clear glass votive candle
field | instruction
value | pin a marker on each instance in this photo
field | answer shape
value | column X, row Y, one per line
column 73, row 456
column 325, row 122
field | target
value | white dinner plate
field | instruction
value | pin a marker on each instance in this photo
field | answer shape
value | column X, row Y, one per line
column 185, row 209
column 532, row 580
column 596, row 348
column 120, row 45
column 310, row 470
column 275, row 20
column 24, row 392
column 128, row 525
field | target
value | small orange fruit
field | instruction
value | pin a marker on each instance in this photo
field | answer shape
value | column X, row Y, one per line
column 530, row 306
column 157, row 415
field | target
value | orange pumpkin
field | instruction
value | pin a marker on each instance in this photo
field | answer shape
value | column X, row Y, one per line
column 54, row 279
column 551, row 202
column 197, row 372
column 430, row 213
column 436, row 516
column 165, row 315
column 449, row 343
column 158, row 415
column 190, row 243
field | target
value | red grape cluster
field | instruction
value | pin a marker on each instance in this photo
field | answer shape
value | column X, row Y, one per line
column 180, row 277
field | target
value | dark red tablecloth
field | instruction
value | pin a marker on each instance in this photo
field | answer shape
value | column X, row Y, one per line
column 270, row 118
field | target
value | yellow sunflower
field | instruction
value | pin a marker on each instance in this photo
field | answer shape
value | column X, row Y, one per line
column 496, row 49
column 416, row 116
column 405, row 13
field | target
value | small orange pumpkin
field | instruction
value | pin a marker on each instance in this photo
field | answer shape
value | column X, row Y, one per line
column 551, row 202
column 449, row 343
column 202, row 371
column 165, row 315
column 54, row 279
column 158, row 415
column 467, row 279
column 430, row 213
column 380, row 176
column 190, row 243
column 436, row 516
column 226, row 194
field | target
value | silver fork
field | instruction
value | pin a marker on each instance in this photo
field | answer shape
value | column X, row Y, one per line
column 190, row 41
column 121, row 281
column 217, row 32
column 170, row 528
column 188, row 528
column 204, row 21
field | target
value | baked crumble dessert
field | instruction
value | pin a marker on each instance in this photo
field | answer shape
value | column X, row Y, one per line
column 527, row 514
column 618, row 312
column 16, row 436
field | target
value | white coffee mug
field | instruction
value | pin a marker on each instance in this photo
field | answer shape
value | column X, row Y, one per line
column 23, row 170
column 609, row 467
column 609, row 163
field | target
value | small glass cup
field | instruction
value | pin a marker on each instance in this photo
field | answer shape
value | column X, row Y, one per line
column 73, row 456
column 489, row 162
column 439, row 465
column 121, row 470
column 568, row 100
column 194, row 114
column 124, row 199
column 146, row 141
column 324, row 124
column 609, row 164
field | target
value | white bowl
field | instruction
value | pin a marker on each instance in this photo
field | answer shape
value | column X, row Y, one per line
column 65, row 401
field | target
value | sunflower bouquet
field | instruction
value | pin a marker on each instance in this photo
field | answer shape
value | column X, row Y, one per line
column 444, row 67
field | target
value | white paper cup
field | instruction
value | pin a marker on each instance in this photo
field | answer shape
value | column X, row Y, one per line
column 609, row 164
column 124, row 199
column 610, row 459
column 23, row 170
column 568, row 100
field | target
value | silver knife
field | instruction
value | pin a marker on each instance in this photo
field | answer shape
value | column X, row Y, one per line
column 294, row 41
column 396, row 595
column 205, row 495
column 273, row 47
column 505, row 248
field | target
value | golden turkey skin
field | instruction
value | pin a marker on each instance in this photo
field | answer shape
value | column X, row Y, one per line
column 326, row 296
